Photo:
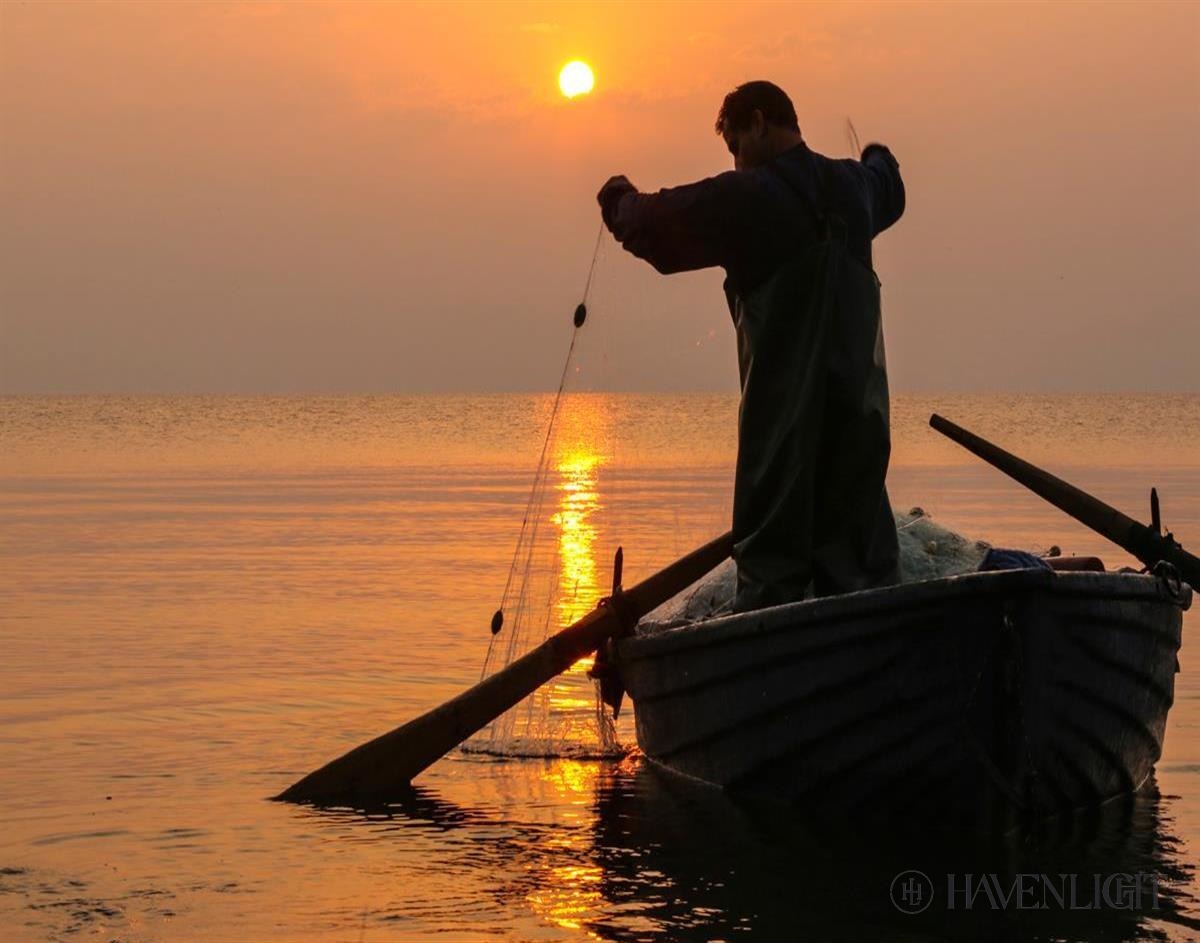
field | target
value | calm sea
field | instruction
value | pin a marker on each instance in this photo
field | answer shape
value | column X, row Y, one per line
column 201, row 599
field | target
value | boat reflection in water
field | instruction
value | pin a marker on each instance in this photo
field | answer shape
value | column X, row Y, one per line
column 728, row 867
column 621, row 851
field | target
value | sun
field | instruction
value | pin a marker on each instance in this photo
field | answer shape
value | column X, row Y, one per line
column 576, row 79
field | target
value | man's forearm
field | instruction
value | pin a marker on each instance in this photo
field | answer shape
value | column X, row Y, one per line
column 675, row 230
column 888, row 197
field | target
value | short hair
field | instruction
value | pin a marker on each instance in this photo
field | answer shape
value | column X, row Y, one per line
column 737, row 110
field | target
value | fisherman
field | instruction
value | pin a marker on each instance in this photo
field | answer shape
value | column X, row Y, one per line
column 793, row 231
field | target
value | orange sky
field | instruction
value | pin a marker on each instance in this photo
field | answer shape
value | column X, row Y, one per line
column 345, row 197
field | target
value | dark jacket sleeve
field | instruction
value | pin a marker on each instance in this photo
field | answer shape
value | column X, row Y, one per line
column 683, row 228
column 886, row 188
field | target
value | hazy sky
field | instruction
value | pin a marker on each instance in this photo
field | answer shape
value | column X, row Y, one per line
column 207, row 197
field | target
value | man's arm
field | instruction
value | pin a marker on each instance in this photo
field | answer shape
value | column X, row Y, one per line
column 885, row 185
column 681, row 228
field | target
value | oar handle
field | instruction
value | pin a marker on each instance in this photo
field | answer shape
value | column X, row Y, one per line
column 1134, row 537
column 1079, row 504
column 389, row 762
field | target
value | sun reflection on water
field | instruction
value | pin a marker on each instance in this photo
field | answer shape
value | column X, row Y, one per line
column 582, row 528
column 570, row 890
column 578, row 583
column 579, row 500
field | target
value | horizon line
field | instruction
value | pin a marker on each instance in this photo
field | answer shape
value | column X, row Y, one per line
column 550, row 392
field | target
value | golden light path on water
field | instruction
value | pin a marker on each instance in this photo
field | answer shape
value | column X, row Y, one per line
column 578, row 589
column 569, row 891
column 579, row 500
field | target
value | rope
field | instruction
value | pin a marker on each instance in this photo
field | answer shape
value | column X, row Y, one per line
column 526, row 539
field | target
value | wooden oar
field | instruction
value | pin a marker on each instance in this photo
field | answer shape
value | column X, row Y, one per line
column 1148, row 544
column 389, row 762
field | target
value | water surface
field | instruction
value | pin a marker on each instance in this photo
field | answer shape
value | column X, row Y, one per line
column 203, row 598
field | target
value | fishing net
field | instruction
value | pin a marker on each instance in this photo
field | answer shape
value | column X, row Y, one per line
column 558, row 572
column 928, row 551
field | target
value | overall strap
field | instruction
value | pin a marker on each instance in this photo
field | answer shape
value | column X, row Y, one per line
column 828, row 224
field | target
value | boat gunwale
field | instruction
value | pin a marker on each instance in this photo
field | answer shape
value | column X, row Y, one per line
column 892, row 600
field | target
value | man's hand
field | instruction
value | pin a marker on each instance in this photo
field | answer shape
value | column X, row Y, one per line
column 610, row 195
column 875, row 148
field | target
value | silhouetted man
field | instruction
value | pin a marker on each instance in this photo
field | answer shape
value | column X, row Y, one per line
column 793, row 231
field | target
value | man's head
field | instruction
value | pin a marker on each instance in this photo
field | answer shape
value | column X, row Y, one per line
column 758, row 122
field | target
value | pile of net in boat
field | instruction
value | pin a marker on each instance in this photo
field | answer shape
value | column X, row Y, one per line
column 928, row 551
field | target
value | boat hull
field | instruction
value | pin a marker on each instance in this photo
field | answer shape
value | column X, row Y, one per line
column 979, row 698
